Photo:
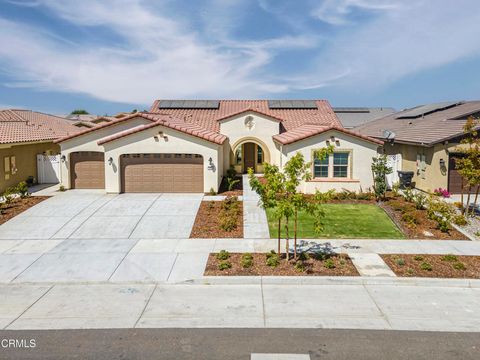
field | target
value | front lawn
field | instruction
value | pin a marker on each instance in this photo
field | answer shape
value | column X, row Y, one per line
column 348, row 221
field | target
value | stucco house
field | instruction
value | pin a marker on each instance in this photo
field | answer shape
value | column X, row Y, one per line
column 188, row 145
column 426, row 140
column 24, row 134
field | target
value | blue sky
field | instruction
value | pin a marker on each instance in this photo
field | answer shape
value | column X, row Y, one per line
column 116, row 55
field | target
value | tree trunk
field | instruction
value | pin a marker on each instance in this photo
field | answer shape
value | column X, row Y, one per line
column 279, row 235
column 461, row 198
column 287, row 239
column 468, row 200
column 476, row 198
column 295, row 236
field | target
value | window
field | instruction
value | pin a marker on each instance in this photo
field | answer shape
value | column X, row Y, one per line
column 334, row 166
column 320, row 168
column 188, row 156
column 178, row 156
column 238, row 155
column 259, row 155
column 340, row 165
column 9, row 166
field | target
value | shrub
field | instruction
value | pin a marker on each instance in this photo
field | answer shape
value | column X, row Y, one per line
column 459, row 220
column 458, row 205
column 442, row 192
column 229, row 213
column 320, row 256
column 62, row 188
column 365, row 196
column 8, row 195
column 342, row 262
column 459, row 266
column 443, row 225
column 410, row 271
column 22, row 189
column 418, row 258
column 408, row 195
column 420, row 201
column 231, row 172
column 329, row 264
column 396, row 188
column 400, row 262
column 211, row 205
column 411, row 219
column 426, row 266
column 223, row 265
column 231, row 182
column 272, row 259
column 246, row 260
column 212, row 192
column 300, row 266
column 477, row 233
column 304, row 256
column 449, row 257
column 223, row 255
column 396, row 205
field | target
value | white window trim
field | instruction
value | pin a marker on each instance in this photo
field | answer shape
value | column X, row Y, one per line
column 331, row 165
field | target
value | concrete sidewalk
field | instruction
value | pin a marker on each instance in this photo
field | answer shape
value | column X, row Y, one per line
column 433, row 308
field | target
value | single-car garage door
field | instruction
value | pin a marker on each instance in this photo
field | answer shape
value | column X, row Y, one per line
column 88, row 170
column 169, row 173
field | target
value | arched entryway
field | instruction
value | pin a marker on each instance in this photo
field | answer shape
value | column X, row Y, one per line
column 249, row 153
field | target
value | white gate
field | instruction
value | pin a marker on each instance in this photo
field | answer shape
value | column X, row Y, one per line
column 395, row 162
column 48, row 169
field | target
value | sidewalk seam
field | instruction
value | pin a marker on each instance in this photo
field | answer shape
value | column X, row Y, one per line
column 145, row 307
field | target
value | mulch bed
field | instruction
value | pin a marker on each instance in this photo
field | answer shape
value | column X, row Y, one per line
column 313, row 267
column 393, row 207
column 18, row 206
column 441, row 266
column 207, row 224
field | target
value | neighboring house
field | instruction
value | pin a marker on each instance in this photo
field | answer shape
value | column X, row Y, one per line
column 86, row 120
column 188, row 145
column 23, row 135
column 426, row 140
column 351, row 117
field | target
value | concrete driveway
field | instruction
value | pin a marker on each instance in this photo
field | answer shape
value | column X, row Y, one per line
column 86, row 236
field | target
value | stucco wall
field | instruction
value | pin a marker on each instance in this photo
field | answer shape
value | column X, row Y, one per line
column 26, row 161
column 143, row 142
column 261, row 133
column 362, row 153
column 435, row 176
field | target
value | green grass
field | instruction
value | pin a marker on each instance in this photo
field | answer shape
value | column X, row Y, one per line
column 345, row 221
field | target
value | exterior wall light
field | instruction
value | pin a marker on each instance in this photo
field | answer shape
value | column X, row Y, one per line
column 110, row 161
column 63, row 158
column 442, row 163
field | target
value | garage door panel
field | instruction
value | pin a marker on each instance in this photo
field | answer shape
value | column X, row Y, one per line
column 162, row 173
column 87, row 170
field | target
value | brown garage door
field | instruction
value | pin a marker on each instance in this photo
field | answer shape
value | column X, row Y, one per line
column 454, row 178
column 88, row 170
column 162, row 173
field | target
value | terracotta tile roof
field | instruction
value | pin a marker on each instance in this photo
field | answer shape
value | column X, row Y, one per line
column 164, row 120
column 291, row 118
column 427, row 130
column 17, row 126
column 308, row 130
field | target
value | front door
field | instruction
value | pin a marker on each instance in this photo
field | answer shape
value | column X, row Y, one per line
column 249, row 156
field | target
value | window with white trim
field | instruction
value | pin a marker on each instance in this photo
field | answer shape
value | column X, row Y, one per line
column 336, row 165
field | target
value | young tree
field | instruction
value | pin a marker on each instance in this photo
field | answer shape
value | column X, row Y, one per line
column 380, row 170
column 269, row 189
column 468, row 166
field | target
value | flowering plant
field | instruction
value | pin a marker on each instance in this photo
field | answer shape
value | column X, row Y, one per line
column 442, row 192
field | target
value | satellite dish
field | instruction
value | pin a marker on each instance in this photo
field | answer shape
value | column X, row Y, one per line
column 389, row 135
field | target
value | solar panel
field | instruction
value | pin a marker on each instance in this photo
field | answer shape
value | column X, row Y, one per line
column 189, row 104
column 351, row 110
column 292, row 104
column 427, row 109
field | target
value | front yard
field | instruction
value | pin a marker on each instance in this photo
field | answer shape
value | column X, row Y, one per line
column 347, row 221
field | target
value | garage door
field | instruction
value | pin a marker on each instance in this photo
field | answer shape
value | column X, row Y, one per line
column 88, row 170
column 162, row 173
column 454, row 178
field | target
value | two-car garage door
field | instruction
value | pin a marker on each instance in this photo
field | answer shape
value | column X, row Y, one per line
column 170, row 173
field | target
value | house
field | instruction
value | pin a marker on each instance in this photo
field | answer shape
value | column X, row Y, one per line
column 188, row 145
column 351, row 117
column 23, row 135
column 426, row 140
column 86, row 120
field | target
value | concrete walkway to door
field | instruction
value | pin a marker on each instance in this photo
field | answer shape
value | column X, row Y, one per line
column 255, row 225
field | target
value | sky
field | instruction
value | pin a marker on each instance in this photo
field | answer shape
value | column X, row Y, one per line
column 118, row 55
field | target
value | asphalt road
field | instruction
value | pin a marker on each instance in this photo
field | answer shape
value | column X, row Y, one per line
column 231, row 344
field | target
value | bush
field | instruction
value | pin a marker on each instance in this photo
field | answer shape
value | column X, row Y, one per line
column 223, row 255
column 426, row 266
column 329, row 264
column 8, row 195
column 458, row 205
column 224, row 265
column 272, row 259
column 459, row 220
column 396, row 205
column 459, row 266
column 212, row 192
column 449, row 257
column 410, row 271
column 400, row 262
column 304, row 256
column 320, row 256
column 246, row 260
column 411, row 219
column 62, row 188
column 22, row 189
column 395, row 189
column 442, row 192
column 420, row 201
column 229, row 213
column 231, row 172
column 365, row 196
column 231, row 182
column 443, row 225
column 300, row 266
column 418, row 258
column 408, row 195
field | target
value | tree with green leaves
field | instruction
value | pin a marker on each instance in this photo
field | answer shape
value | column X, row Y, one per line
column 380, row 170
column 468, row 166
column 79, row 112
